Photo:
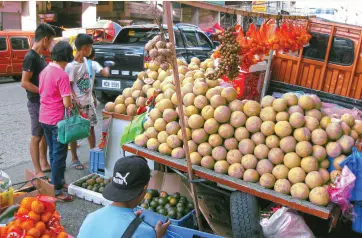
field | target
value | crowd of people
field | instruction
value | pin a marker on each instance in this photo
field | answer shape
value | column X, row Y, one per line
column 65, row 83
column 53, row 90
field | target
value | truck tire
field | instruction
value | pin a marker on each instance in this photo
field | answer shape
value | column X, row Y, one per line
column 245, row 217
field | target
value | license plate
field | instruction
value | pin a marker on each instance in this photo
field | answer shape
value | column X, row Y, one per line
column 111, row 84
column 115, row 72
column 125, row 72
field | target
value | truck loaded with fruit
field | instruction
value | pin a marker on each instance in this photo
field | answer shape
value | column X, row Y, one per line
column 130, row 58
column 290, row 143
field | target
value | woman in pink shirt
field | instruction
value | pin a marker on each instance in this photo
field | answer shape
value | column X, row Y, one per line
column 55, row 97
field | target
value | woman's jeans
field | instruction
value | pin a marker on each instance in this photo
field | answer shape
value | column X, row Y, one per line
column 58, row 154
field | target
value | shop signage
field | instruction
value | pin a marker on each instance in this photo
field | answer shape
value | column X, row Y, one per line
column 258, row 6
column 220, row 3
column 49, row 17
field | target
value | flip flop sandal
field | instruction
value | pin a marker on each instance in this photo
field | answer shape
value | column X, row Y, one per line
column 47, row 171
column 77, row 164
column 66, row 198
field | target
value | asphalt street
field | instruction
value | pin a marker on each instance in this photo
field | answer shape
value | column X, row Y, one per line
column 15, row 155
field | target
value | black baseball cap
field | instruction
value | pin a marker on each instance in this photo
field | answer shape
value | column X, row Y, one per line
column 130, row 175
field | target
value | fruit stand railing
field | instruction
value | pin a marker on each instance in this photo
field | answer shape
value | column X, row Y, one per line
column 233, row 183
column 237, row 184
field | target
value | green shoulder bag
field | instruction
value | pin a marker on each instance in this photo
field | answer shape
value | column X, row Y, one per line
column 73, row 128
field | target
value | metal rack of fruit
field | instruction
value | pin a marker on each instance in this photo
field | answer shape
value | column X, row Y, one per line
column 194, row 172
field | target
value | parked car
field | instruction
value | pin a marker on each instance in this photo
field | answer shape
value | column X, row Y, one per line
column 13, row 47
column 128, row 54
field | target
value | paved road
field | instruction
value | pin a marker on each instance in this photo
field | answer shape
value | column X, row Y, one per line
column 14, row 150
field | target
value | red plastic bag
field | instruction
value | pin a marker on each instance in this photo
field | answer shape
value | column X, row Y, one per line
column 238, row 84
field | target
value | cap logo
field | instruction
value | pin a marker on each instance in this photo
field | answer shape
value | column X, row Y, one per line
column 119, row 179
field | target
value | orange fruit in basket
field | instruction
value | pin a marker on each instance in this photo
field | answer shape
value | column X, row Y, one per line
column 10, row 223
column 62, row 235
column 45, row 236
column 27, row 225
column 3, row 231
column 23, row 211
column 38, row 207
column 17, row 223
column 33, row 232
column 29, row 237
column 26, row 202
column 40, row 226
column 34, row 216
column 12, row 227
column 46, row 217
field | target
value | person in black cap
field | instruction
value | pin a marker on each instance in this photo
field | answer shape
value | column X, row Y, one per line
column 126, row 190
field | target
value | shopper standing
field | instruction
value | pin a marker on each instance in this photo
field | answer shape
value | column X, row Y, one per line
column 33, row 64
column 55, row 97
column 81, row 86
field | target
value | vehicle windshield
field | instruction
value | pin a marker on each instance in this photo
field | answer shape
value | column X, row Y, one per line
column 136, row 35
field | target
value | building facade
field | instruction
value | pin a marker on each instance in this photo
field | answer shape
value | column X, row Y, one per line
column 26, row 15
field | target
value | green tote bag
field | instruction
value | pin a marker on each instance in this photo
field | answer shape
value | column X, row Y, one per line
column 73, row 128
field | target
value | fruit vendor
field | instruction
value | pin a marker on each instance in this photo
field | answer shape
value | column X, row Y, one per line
column 126, row 190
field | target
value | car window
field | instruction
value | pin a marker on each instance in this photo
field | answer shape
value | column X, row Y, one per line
column 191, row 40
column 135, row 35
column 3, row 43
column 342, row 49
column 19, row 43
column 204, row 41
column 178, row 39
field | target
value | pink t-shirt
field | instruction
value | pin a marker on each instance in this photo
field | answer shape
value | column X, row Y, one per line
column 54, row 84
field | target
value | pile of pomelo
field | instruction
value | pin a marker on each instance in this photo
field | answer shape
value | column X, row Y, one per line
column 281, row 143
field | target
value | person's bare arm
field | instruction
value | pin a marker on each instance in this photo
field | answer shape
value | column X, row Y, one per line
column 105, row 72
column 26, row 84
column 67, row 101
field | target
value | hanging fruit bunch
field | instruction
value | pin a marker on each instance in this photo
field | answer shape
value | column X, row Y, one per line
column 228, row 53
column 160, row 52
column 254, row 45
column 289, row 37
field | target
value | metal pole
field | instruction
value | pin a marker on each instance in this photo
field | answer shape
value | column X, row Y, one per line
column 169, row 19
column 268, row 69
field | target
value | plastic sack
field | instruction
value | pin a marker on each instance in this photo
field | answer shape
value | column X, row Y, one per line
column 354, row 163
column 340, row 192
column 133, row 129
column 285, row 223
column 5, row 181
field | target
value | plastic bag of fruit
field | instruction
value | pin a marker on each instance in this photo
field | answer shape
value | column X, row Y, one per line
column 36, row 217
column 286, row 223
column 5, row 181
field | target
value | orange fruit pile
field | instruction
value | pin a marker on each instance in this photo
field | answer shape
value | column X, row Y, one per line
column 35, row 219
